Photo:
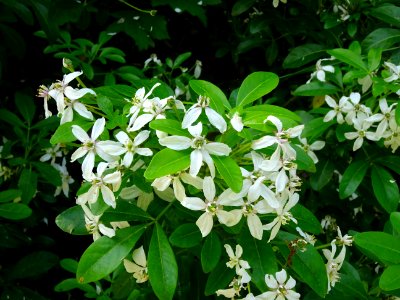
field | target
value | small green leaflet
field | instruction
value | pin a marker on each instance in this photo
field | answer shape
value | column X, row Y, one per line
column 352, row 178
column 72, row 221
column 211, row 252
column 186, row 236
column 390, row 279
column 349, row 57
column 230, row 172
column 385, row 188
column 15, row 211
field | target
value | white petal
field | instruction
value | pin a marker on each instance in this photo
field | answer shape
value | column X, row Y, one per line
column 139, row 257
column 106, row 230
column 219, row 149
column 321, row 75
column 196, row 129
column 216, row 119
column 162, row 183
column 113, row 178
column 197, row 182
column 237, row 122
column 194, row 203
column 141, row 137
column 69, row 77
column 80, row 134
column 317, row 145
column 358, row 143
column 144, row 151
column 78, row 153
column 191, row 116
column 271, row 281
column 179, row 190
column 205, row 223
column 329, row 116
column 274, row 120
column 82, row 110
column 141, row 121
column 67, row 116
column 108, row 196
column 176, row 142
column 88, row 164
column 196, row 160
column 98, row 128
column 255, row 226
column 351, row 135
column 281, row 276
column 209, row 188
column 229, row 250
column 122, row 137
column 264, row 142
column 330, row 101
column 74, row 94
column 127, row 160
column 208, row 160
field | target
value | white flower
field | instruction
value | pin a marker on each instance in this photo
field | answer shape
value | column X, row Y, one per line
column 107, row 150
column 235, row 260
column 361, row 125
column 237, row 122
column 307, row 237
column 333, row 264
column 394, row 72
column 309, row 149
column 101, row 183
column 211, row 207
column 138, row 267
column 388, row 113
column 152, row 58
column 281, row 138
column 132, row 147
column 51, row 154
column 164, row 182
column 61, row 88
column 392, row 136
column 320, row 70
column 328, row 222
column 143, row 199
column 281, row 287
column 202, row 149
column 345, row 240
column 43, row 92
column 355, row 110
column 66, row 179
column 197, row 69
column 194, row 112
column 94, row 227
column 338, row 109
column 283, row 216
column 275, row 3
column 74, row 104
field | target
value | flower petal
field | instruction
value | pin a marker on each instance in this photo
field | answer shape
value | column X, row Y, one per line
column 216, row 119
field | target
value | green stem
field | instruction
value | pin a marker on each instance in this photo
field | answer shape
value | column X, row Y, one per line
column 323, row 246
column 165, row 210
column 151, row 12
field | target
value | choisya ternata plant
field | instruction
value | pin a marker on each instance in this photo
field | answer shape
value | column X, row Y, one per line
column 168, row 183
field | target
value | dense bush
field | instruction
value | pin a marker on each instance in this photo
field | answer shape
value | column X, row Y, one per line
column 243, row 150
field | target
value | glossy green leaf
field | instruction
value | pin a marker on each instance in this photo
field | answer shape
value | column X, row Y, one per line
column 255, row 86
column 219, row 278
column 316, row 88
column 315, row 128
column 349, row 57
column 230, row 172
column 218, row 100
column 72, row 221
column 69, row 264
column 15, row 211
column 383, row 38
column 166, row 162
column 186, row 236
column 303, row 161
column 181, row 58
column 302, row 55
column 9, row 195
column 352, row 178
column 397, row 115
column 379, row 245
column 64, row 133
column 395, row 221
column 307, row 221
column 71, row 283
column 25, row 105
column 105, row 254
column 323, row 175
column 308, row 265
column 348, row 288
column 241, row 6
column 390, row 161
column 260, row 256
column 105, row 104
column 387, row 13
column 385, row 188
column 374, row 58
column 172, row 127
column 48, row 173
column 390, row 278
column 33, row 264
column 211, row 252
column 162, row 266
column 125, row 211
column 27, row 183
column 11, row 118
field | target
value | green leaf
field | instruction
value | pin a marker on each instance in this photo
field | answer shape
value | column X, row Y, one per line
column 241, row 6
column 211, row 252
column 27, row 183
column 186, row 236
column 397, row 115
column 72, row 221
column 64, row 133
column 25, row 106
column 308, row 265
column 71, row 283
column 11, row 118
column 105, row 104
column 316, row 88
column 166, row 162
column 117, row 58
column 34, row 264
column 390, row 278
column 105, row 254
column 255, row 86
column 385, row 188
column 306, row 219
column 230, row 172
column 387, row 13
column 163, row 270
column 382, row 38
column 374, row 58
column 315, row 128
column 379, row 246
column 125, row 211
column 69, row 264
column 181, row 58
column 48, row 173
column 352, row 178
column 323, row 175
column 260, row 256
column 9, row 195
column 15, row 211
column 303, row 161
column 395, row 221
column 349, row 57
column 348, row 288
column 219, row 278
column 172, row 127
column 218, row 100
column 302, row 55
